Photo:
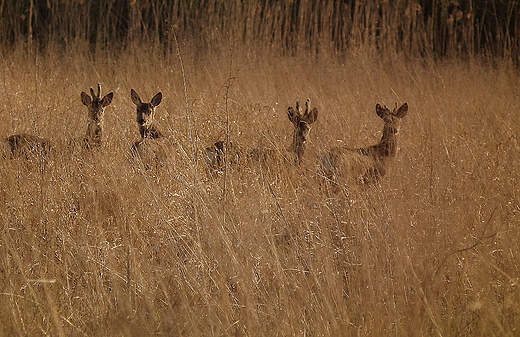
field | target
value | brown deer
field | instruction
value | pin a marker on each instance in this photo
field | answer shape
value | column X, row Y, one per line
column 26, row 146
column 222, row 150
column 302, row 127
column 222, row 153
column 96, row 107
column 366, row 165
column 150, row 149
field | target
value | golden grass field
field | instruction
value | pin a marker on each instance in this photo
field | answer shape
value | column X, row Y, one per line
column 91, row 245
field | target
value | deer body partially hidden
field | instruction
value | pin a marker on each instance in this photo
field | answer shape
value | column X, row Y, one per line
column 26, row 146
column 29, row 146
column 151, row 149
column 369, row 164
column 302, row 127
column 96, row 108
column 222, row 151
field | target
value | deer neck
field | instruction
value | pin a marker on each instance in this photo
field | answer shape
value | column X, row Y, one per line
column 149, row 132
column 298, row 146
column 94, row 133
column 387, row 147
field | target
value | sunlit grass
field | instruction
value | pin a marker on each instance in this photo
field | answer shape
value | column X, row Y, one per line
column 91, row 245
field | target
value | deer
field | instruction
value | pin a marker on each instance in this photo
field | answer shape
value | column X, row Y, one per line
column 98, row 203
column 96, row 108
column 223, row 150
column 302, row 127
column 150, row 148
column 221, row 153
column 367, row 165
column 26, row 146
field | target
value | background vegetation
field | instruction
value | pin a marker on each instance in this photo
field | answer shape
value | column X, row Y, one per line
column 436, row 28
column 92, row 244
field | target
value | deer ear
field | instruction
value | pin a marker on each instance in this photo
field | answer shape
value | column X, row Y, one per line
column 382, row 111
column 312, row 116
column 402, row 111
column 85, row 99
column 135, row 97
column 107, row 100
column 293, row 115
column 156, row 100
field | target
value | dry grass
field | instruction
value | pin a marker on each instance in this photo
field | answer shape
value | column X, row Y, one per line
column 90, row 245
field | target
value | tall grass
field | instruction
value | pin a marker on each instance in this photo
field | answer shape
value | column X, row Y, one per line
column 91, row 244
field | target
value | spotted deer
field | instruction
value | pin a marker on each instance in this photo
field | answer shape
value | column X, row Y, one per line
column 150, row 149
column 96, row 108
column 301, row 121
column 366, row 165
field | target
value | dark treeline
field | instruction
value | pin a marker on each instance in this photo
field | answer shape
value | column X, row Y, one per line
column 437, row 28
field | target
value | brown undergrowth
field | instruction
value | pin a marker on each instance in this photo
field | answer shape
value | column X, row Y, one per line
column 90, row 244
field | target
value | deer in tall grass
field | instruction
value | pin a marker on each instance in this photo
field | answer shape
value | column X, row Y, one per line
column 99, row 203
column 366, row 165
column 223, row 150
column 302, row 128
column 302, row 121
column 26, row 146
column 96, row 108
column 221, row 153
column 149, row 150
